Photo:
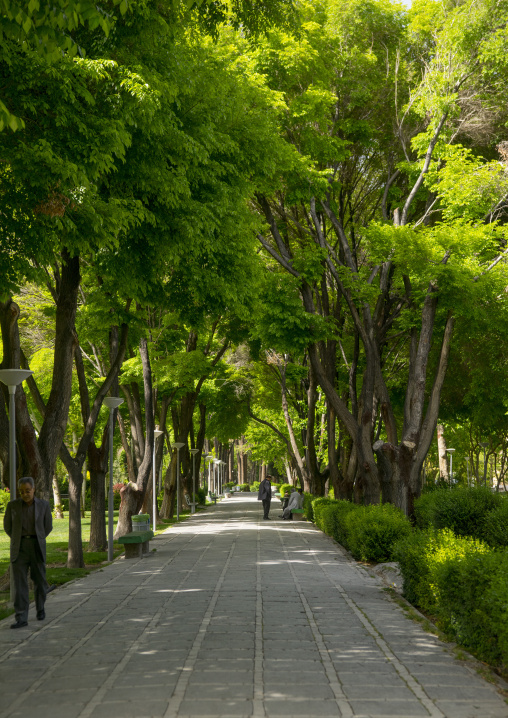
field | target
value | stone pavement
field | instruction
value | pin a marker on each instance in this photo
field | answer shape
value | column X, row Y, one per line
column 233, row 616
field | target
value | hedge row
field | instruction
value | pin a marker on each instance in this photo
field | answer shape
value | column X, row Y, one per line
column 463, row 583
column 369, row 532
column 473, row 512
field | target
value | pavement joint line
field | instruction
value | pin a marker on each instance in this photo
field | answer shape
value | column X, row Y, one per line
column 401, row 669
column 108, row 683
column 183, row 680
column 49, row 672
column 47, row 626
column 342, row 702
column 258, row 706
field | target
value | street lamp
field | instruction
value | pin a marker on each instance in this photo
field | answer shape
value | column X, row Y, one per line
column 156, row 435
column 484, row 444
column 216, row 463
column 178, row 445
column 193, row 505
column 112, row 402
column 11, row 378
column 450, row 451
column 209, row 458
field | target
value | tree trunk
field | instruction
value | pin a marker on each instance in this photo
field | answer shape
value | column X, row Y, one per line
column 97, row 466
column 57, row 501
column 132, row 498
column 441, row 450
column 75, row 554
column 168, row 502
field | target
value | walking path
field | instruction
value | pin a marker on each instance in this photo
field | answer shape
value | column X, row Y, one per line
column 233, row 616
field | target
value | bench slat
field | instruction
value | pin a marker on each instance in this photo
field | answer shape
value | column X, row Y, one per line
column 136, row 537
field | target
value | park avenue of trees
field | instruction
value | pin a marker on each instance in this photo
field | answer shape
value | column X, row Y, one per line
column 276, row 231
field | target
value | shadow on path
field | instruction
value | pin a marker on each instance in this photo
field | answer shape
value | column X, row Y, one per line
column 233, row 616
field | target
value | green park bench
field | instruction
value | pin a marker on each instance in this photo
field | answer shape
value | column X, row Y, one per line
column 137, row 543
column 213, row 497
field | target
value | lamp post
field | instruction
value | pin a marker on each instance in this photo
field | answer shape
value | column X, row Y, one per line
column 209, row 458
column 112, row 402
column 156, row 435
column 450, row 451
column 193, row 506
column 216, row 463
column 178, row 445
column 484, row 444
column 12, row 378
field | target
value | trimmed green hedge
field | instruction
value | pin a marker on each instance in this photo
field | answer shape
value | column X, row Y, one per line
column 372, row 531
column 462, row 510
column 369, row 532
column 308, row 500
column 495, row 526
column 464, row 584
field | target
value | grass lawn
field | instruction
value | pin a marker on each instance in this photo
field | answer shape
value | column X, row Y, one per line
column 56, row 548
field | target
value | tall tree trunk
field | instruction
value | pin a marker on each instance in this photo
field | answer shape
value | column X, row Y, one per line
column 133, row 494
column 441, row 450
column 57, row 501
column 168, row 501
column 97, row 465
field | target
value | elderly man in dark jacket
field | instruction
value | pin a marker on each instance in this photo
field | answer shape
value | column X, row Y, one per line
column 265, row 495
column 28, row 521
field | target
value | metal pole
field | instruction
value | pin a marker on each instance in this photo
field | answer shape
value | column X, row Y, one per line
column 194, row 452
column 178, row 484
column 451, row 468
column 485, row 464
column 193, row 507
column 12, row 467
column 12, row 442
column 154, row 522
column 111, row 506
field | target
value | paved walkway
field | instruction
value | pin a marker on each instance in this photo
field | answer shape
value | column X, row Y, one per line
column 233, row 616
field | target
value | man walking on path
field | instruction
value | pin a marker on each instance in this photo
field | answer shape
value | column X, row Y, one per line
column 27, row 522
column 265, row 495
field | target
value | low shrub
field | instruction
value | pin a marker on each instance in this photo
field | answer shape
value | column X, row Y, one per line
column 473, row 603
column 230, row 484
column 324, row 514
column 421, row 556
column 307, row 506
column 342, row 510
column 495, row 526
column 201, row 495
column 5, row 497
column 464, row 584
column 463, row 510
column 245, row 487
column 255, row 486
column 372, row 531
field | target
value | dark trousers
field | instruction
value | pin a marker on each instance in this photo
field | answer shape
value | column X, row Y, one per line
column 266, row 506
column 29, row 557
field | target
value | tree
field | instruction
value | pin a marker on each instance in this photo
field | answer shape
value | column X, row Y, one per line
column 387, row 279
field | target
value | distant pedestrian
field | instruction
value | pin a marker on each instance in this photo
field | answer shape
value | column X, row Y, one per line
column 27, row 522
column 265, row 495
